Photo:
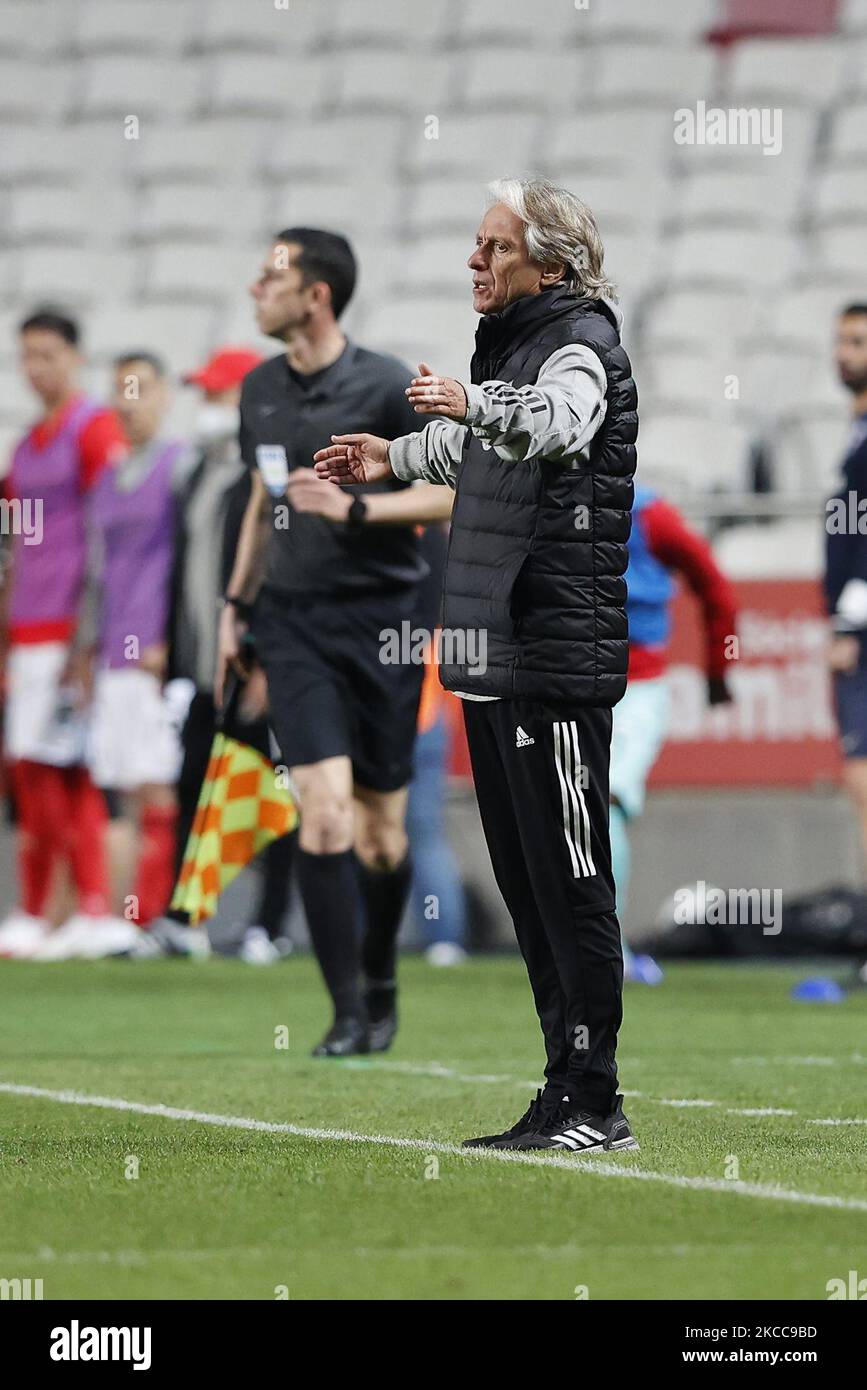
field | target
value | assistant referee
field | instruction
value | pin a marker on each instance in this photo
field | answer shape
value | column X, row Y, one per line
column 541, row 450
column 329, row 571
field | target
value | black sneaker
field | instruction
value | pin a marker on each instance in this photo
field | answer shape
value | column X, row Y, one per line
column 580, row 1131
column 346, row 1037
column 381, row 1002
column 539, row 1113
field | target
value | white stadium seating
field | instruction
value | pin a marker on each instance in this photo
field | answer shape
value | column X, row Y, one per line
column 386, row 119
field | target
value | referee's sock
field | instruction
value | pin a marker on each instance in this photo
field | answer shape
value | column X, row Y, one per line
column 329, row 890
column 384, row 893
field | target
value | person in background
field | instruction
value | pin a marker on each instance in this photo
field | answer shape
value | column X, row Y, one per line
column 61, row 814
column 211, row 509
column 846, row 568
column 437, row 894
column 661, row 545
column 134, row 748
column 334, row 572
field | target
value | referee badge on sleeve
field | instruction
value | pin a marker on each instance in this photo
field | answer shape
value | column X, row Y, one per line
column 273, row 465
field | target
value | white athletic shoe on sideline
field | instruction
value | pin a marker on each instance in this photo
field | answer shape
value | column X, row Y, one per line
column 21, row 934
column 257, row 948
column 445, row 953
column 88, row 938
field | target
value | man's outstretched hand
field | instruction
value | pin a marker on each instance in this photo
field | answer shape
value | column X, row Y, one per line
column 429, row 394
column 353, row 458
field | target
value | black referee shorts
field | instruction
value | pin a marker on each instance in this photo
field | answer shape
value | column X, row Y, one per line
column 330, row 694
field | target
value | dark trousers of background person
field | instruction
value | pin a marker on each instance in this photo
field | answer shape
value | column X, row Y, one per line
column 276, row 861
column 541, row 778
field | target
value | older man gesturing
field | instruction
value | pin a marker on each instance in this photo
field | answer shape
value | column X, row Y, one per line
column 540, row 448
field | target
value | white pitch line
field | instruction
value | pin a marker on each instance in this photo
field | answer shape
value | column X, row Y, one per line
column 574, row 1164
column 440, row 1072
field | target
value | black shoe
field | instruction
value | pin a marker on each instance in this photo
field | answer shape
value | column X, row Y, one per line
column 345, row 1038
column 539, row 1113
column 579, row 1131
column 381, row 1002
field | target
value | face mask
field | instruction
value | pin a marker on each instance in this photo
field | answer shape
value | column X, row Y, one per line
column 216, row 421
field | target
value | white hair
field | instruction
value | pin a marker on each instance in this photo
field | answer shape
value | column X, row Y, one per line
column 558, row 230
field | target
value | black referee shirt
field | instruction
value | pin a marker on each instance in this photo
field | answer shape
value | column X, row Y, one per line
column 285, row 418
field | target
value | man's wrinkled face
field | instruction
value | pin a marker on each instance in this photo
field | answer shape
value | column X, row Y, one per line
column 283, row 301
column 141, row 399
column 851, row 351
column 49, row 363
column 501, row 265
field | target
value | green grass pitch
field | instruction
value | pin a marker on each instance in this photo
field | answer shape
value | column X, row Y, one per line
column 737, row 1192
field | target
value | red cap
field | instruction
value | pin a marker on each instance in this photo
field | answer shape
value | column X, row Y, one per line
column 226, row 368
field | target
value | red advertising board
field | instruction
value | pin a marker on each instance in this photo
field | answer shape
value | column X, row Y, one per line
column 779, row 730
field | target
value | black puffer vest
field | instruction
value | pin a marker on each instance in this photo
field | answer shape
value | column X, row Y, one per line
column 538, row 549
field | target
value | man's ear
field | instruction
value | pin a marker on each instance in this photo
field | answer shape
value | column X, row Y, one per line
column 551, row 274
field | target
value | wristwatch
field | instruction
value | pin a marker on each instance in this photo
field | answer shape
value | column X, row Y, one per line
column 242, row 609
column 357, row 514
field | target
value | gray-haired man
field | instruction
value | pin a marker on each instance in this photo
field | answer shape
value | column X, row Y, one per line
column 540, row 449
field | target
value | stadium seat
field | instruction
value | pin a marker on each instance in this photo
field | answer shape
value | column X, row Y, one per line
column 76, row 276
column 393, row 24
column 694, row 318
column 179, row 272
column 344, row 207
column 640, row 73
column 757, row 197
column 546, row 24
column 848, row 144
column 234, row 212
column 804, row 315
column 685, row 380
column 635, row 19
column 267, row 84
column 115, row 26
column 382, row 80
column 121, row 86
column 841, row 250
column 612, row 142
column 35, row 91
column 853, row 16
column 203, row 151
column 66, row 215
column 435, row 263
column 793, row 547
column 182, row 333
column 14, row 399
column 794, row 71
column 733, row 256
column 484, row 145
column 333, row 148
column 807, row 450
column 840, row 198
column 263, row 26
column 446, row 205
column 21, row 37
column 691, row 453
column 502, row 79
column 33, row 154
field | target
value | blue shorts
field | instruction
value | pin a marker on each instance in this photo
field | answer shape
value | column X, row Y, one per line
column 640, row 723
